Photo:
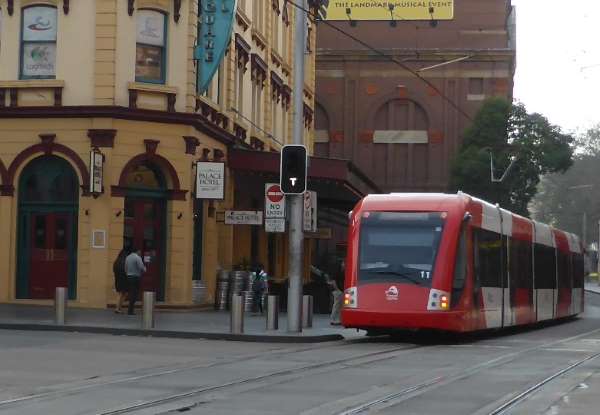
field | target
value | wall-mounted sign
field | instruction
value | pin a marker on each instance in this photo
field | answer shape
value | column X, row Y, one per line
column 214, row 34
column 98, row 238
column 96, row 169
column 310, row 211
column 243, row 217
column 274, row 201
column 402, row 10
column 210, row 180
column 275, row 225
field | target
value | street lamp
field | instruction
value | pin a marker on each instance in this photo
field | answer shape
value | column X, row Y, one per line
column 492, row 174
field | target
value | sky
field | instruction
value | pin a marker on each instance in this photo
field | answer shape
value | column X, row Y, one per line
column 558, row 60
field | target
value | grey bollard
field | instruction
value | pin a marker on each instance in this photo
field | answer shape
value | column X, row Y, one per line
column 237, row 314
column 60, row 305
column 148, row 310
column 272, row 312
column 307, row 311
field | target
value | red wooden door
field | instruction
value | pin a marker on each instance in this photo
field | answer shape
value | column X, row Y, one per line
column 143, row 231
column 49, row 262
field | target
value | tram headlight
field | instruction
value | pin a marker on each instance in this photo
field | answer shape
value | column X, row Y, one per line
column 444, row 302
column 350, row 297
column 438, row 300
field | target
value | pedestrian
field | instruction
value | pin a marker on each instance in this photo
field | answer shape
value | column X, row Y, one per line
column 259, row 287
column 134, row 267
column 337, row 295
column 121, row 285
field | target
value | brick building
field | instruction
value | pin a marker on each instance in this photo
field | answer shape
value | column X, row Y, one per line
column 394, row 127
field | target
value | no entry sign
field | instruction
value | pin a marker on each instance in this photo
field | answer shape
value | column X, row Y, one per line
column 274, row 201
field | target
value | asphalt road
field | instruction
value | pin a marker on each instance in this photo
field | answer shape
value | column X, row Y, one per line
column 555, row 368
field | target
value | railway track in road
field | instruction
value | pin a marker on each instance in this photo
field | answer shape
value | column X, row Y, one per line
column 410, row 392
column 99, row 383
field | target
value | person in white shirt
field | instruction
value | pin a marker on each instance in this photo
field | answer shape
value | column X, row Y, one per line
column 134, row 268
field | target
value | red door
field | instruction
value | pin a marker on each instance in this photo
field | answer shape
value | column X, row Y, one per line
column 49, row 262
column 143, row 230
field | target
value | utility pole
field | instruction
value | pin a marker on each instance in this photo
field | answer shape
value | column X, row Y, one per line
column 296, row 233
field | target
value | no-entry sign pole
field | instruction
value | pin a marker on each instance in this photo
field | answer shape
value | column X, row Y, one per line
column 296, row 234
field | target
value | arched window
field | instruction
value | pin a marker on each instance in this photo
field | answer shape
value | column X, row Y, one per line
column 145, row 176
column 400, row 121
column 48, row 180
column 38, row 42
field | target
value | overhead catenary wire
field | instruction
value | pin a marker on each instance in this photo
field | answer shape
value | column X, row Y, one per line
column 388, row 58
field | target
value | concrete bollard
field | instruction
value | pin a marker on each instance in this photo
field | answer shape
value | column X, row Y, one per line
column 237, row 314
column 148, row 310
column 272, row 312
column 307, row 311
column 60, row 305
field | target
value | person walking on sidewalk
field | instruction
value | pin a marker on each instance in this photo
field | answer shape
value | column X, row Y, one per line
column 134, row 267
column 120, row 279
column 337, row 295
column 259, row 287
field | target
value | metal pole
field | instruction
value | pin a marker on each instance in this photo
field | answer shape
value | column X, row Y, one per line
column 307, row 311
column 148, row 310
column 60, row 305
column 237, row 314
column 584, row 231
column 272, row 312
column 296, row 234
column 598, row 255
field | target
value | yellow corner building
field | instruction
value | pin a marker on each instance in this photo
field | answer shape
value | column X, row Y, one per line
column 117, row 78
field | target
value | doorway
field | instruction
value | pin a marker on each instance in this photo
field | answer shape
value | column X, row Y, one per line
column 47, row 229
column 145, row 223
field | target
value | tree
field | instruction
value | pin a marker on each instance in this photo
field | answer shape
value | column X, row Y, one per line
column 563, row 199
column 504, row 131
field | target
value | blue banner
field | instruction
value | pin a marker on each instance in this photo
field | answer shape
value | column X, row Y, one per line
column 215, row 23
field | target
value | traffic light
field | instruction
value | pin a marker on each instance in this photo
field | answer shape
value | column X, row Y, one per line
column 293, row 168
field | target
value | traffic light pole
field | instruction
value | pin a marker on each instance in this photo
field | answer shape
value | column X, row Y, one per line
column 296, row 232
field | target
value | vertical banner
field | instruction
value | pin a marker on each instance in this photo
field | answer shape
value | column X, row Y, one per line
column 310, row 211
column 215, row 23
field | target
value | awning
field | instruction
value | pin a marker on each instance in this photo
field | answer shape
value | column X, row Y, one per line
column 339, row 183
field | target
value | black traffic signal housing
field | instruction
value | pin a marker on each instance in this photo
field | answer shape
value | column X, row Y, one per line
column 293, row 169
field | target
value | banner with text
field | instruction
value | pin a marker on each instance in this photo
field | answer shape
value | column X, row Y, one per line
column 401, row 10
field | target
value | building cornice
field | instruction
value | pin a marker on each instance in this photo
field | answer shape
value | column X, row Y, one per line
column 122, row 113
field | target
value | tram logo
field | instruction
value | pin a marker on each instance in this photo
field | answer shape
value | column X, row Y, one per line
column 391, row 294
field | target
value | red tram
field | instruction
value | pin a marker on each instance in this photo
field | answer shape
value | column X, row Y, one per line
column 455, row 263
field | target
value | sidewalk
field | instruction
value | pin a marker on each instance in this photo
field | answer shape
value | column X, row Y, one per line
column 592, row 287
column 187, row 324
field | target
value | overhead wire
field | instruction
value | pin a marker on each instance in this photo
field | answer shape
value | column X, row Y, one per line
column 385, row 56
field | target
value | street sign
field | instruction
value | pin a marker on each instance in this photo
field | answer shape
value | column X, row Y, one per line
column 310, row 211
column 274, row 201
column 274, row 225
column 243, row 217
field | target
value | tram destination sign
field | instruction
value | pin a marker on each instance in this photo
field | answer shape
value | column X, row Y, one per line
column 210, row 180
column 391, row 10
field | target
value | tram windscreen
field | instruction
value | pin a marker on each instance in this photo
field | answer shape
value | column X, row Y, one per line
column 399, row 247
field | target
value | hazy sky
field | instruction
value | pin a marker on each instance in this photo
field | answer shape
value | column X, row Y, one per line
column 558, row 60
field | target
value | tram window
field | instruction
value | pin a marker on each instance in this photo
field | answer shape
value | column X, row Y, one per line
column 578, row 271
column 460, row 268
column 545, row 267
column 488, row 252
column 563, row 270
column 520, row 264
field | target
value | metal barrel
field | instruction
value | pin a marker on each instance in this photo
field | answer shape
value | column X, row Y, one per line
column 272, row 312
column 148, row 310
column 237, row 314
column 60, row 305
column 222, row 290
column 307, row 311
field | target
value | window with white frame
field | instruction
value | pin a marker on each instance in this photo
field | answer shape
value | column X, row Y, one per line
column 38, row 42
column 150, row 54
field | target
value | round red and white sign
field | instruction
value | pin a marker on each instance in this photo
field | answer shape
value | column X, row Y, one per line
column 274, row 194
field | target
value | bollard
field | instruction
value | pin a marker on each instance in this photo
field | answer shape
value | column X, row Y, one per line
column 148, row 310
column 237, row 314
column 307, row 311
column 60, row 305
column 272, row 312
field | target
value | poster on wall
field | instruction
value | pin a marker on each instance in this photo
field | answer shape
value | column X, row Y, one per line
column 39, row 24
column 210, row 180
column 391, row 10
